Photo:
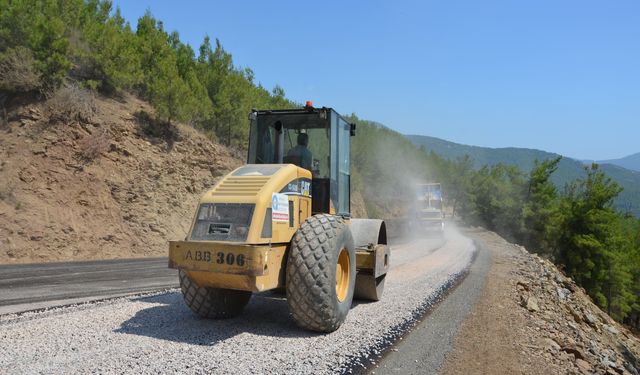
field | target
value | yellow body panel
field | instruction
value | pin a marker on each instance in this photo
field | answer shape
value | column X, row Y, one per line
column 259, row 263
column 263, row 259
column 219, row 257
column 257, row 190
column 222, row 265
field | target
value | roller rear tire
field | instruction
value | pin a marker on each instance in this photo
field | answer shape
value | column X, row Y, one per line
column 212, row 303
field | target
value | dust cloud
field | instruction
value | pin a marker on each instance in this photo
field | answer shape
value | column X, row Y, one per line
column 387, row 170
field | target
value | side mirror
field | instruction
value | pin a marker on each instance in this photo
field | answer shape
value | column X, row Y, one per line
column 352, row 129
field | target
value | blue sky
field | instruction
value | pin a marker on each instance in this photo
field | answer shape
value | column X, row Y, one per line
column 562, row 76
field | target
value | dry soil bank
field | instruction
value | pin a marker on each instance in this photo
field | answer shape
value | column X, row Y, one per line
column 116, row 184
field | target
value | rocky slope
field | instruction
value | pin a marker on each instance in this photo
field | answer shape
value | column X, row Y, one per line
column 101, row 181
column 573, row 328
column 531, row 318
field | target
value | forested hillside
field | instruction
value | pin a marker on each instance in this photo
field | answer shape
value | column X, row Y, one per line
column 577, row 226
column 568, row 169
column 45, row 45
column 62, row 53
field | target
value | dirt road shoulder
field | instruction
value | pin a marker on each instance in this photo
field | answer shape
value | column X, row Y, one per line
column 495, row 337
column 531, row 319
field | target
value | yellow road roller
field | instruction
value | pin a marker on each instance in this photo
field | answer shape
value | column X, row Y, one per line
column 283, row 221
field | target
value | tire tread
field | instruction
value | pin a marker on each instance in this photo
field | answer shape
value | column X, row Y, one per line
column 212, row 303
column 310, row 278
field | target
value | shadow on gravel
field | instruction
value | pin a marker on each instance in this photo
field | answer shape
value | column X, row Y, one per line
column 170, row 319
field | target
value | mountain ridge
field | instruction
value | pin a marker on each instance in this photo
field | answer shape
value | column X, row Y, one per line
column 569, row 169
column 630, row 162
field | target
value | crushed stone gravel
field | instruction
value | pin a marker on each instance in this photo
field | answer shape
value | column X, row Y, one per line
column 157, row 333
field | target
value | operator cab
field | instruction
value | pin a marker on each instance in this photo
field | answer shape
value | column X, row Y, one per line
column 279, row 137
column 430, row 195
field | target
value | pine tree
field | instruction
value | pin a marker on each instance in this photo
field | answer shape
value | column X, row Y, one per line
column 540, row 208
column 587, row 235
column 162, row 85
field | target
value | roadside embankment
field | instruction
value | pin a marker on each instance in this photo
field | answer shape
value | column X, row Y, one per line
column 531, row 319
column 118, row 185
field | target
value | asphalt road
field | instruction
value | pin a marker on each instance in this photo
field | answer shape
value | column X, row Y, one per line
column 29, row 287
column 35, row 286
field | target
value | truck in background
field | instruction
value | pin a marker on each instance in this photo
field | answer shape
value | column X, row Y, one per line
column 429, row 212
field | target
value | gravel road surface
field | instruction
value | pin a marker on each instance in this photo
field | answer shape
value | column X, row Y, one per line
column 156, row 333
column 26, row 287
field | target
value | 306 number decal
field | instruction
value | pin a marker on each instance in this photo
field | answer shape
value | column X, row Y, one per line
column 218, row 258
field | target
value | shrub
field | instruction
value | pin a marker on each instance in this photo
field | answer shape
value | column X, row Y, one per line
column 94, row 144
column 18, row 72
column 72, row 102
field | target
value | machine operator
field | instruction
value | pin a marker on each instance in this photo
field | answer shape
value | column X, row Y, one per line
column 301, row 152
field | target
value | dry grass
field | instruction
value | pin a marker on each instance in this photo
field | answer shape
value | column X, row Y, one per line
column 94, row 144
column 72, row 102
